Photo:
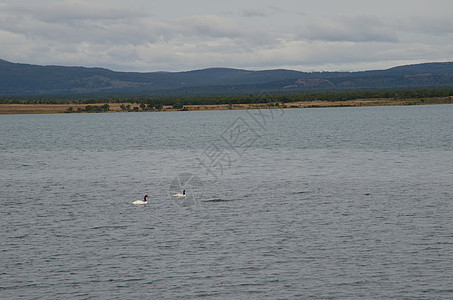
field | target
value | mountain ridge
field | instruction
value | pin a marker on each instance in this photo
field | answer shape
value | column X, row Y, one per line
column 18, row 79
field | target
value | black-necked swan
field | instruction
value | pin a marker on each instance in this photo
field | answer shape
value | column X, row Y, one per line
column 179, row 195
column 144, row 201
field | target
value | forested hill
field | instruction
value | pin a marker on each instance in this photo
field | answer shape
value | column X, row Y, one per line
column 25, row 79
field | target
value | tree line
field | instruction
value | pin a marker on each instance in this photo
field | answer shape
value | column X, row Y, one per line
column 156, row 103
column 90, row 109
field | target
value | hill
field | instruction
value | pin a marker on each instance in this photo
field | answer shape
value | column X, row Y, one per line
column 24, row 79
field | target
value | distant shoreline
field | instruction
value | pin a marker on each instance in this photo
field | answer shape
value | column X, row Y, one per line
column 116, row 107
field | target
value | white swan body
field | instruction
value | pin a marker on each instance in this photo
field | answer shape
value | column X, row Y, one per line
column 139, row 202
column 179, row 195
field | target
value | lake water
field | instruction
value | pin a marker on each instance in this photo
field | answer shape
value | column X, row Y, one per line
column 350, row 203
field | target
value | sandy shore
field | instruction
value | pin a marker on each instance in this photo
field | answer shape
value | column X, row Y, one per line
column 115, row 107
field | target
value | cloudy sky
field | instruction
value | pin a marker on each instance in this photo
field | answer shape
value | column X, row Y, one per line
column 175, row 35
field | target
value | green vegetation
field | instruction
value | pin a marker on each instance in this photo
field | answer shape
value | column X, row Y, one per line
column 150, row 103
column 90, row 109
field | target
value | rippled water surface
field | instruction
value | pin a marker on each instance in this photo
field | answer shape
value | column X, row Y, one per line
column 281, row 204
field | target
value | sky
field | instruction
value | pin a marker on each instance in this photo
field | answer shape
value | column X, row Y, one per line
column 181, row 35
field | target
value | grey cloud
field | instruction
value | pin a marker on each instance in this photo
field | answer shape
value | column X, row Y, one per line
column 250, row 13
column 71, row 11
column 261, row 12
column 430, row 25
column 97, row 24
column 73, row 21
column 217, row 27
column 350, row 28
column 125, row 38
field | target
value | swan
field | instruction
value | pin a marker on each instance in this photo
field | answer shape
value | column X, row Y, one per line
column 139, row 202
column 179, row 195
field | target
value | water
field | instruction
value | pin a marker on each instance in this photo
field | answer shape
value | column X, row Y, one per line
column 305, row 203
